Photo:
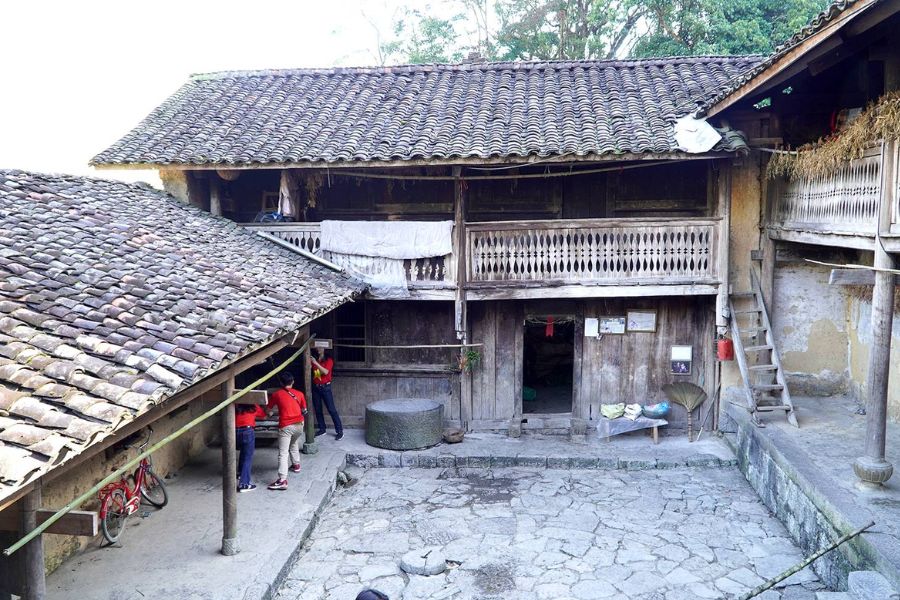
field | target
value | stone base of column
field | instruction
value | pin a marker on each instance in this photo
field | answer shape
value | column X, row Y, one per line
column 310, row 448
column 230, row 546
column 872, row 471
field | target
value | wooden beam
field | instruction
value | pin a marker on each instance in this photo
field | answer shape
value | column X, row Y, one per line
column 833, row 240
column 578, row 291
column 77, row 522
column 229, row 468
column 855, row 277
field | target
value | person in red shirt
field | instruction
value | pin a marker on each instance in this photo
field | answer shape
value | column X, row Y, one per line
column 322, row 366
column 291, row 405
column 244, row 422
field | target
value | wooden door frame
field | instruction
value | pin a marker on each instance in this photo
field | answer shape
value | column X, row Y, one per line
column 578, row 325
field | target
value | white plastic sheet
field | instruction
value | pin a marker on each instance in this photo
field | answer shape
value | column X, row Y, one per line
column 375, row 251
column 388, row 239
column 695, row 135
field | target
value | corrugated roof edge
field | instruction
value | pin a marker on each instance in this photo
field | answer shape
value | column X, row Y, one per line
column 475, row 66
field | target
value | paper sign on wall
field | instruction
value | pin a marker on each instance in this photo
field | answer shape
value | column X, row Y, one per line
column 591, row 327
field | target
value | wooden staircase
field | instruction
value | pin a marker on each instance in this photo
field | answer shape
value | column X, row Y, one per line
column 757, row 357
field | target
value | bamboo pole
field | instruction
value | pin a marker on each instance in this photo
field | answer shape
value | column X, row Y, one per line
column 763, row 587
column 163, row 442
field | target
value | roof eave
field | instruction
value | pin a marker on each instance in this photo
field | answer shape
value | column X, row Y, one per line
column 356, row 164
column 786, row 66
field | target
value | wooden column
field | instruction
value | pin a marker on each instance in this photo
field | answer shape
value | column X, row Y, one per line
column 770, row 191
column 872, row 468
column 724, row 234
column 309, row 429
column 35, row 583
column 459, row 306
column 215, row 194
column 229, row 472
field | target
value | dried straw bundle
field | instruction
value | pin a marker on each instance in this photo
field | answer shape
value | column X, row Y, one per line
column 880, row 120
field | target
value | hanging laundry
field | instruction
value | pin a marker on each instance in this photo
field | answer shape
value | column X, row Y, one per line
column 548, row 330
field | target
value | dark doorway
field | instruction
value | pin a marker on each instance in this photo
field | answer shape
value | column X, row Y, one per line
column 548, row 363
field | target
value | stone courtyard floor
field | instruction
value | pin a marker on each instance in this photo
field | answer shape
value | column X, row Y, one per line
column 660, row 534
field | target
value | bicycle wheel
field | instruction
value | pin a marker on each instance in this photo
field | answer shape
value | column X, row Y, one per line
column 154, row 490
column 114, row 515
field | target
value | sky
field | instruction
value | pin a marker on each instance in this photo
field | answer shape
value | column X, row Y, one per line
column 79, row 74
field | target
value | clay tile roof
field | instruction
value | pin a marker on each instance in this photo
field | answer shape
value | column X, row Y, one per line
column 115, row 296
column 428, row 112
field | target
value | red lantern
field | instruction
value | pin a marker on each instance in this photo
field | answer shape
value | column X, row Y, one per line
column 724, row 349
column 548, row 330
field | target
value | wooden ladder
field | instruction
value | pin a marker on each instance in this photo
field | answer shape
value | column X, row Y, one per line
column 757, row 357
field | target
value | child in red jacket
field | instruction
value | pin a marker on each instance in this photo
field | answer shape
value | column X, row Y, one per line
column 245, row 422
column 291, row 406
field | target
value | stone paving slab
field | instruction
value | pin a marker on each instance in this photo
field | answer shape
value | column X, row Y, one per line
column 548, row 534
column 174, row 552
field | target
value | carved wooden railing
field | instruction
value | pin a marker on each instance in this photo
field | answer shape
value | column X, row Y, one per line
column 844, row 202
column 302, row 235
column 434, row 272
column 613, row 251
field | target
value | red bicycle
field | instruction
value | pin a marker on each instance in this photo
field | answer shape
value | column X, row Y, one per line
column 120, row 500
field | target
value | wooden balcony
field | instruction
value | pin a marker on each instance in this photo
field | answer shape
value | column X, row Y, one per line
column 562, row 258
column 842, row 209
column 592, row 258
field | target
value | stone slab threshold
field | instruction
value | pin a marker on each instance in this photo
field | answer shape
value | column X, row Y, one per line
column 814, row 507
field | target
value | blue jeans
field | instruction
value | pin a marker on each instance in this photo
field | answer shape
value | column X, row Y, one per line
column 322, row 393
column 246, row 443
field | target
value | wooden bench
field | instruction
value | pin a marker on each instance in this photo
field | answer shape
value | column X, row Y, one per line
column 610, row 427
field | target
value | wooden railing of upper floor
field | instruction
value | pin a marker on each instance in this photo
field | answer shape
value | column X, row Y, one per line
column 842, row 208
column 597, row 251
column 422, row 273
column 622, row 252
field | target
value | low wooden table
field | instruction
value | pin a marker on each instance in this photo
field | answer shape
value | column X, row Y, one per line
column 610, row 427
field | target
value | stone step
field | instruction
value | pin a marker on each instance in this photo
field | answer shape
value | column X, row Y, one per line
column 833, row 596
column 870, row 585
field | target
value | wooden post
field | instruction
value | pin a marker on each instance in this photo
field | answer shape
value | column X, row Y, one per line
column 229, row 471
column 215, row 194
column 769, row 196
column 35, row 583
column 309, row 429
column 459, row 306
column 724, row 235
column 872, row 468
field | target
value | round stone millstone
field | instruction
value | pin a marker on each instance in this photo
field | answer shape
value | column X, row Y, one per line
column 404, row 423
column 426, row 561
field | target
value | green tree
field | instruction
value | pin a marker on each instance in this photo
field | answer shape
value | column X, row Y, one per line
column 594, row 29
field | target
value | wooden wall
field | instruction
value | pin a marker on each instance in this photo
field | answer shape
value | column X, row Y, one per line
column 678, row 189
column 616, row 368
column 398, row 372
